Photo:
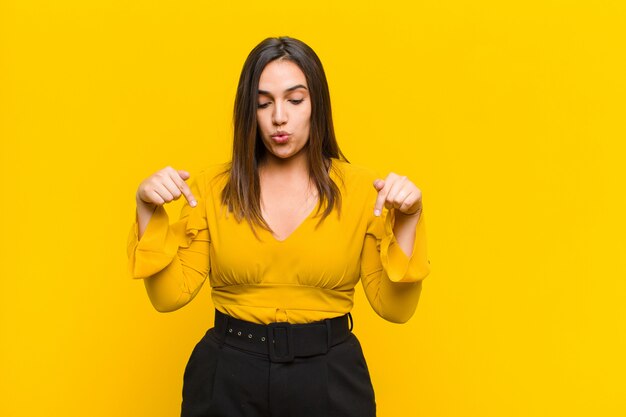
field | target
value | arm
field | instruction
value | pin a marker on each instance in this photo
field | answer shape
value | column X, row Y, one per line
column 399, row 193
column 391, row 277
column 404, row 227
column 392, row 280
column 173, row 260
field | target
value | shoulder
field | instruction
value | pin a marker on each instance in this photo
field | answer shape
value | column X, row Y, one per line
column 356, row 183
column 354, row 175
column 212, row 177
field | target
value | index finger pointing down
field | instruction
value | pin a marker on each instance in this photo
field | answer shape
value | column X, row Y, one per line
column 380, row 200
column 184, row 188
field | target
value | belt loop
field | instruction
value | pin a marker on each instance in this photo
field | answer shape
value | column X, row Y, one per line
column 221, row 326
column 329, row 335
column 351, row 322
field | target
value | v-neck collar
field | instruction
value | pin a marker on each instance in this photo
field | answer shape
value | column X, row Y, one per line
column 308, row 217
column 298, row 227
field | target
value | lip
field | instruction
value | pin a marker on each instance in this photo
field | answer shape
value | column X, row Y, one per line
column 281, row 137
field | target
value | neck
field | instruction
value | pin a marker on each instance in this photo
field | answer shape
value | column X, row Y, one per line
column 294, row 167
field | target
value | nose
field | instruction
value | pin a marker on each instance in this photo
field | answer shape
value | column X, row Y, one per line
column 279, row 116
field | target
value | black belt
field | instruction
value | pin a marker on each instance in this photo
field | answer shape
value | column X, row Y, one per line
column 282, row 342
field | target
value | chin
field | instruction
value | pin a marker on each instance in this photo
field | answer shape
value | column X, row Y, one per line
column 284, row 155
column 281, row 153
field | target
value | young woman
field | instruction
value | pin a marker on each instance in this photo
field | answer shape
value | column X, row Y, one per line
column 284, row 231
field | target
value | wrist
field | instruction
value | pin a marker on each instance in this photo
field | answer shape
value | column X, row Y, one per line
column 144, row 204
column 407, row 216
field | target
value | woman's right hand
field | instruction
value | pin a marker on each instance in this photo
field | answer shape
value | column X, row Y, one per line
column 164, row 186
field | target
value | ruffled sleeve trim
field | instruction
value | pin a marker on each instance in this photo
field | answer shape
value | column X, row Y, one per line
column 192, row 221
column 399, row 266
column 160, row 242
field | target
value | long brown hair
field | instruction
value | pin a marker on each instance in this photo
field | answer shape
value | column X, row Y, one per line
column 242, row 193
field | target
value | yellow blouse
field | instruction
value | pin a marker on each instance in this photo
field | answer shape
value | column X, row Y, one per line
column 307, row 277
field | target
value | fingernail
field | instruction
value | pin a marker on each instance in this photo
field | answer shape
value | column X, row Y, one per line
column 376, row 212
column 193, row 203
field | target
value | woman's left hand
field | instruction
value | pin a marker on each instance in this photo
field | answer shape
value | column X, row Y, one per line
column 399, row 193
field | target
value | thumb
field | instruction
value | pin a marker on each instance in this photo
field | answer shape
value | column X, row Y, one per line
column 184, row 174
column 379, row 184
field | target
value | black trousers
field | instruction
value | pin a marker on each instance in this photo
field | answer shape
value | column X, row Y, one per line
column 224, row 379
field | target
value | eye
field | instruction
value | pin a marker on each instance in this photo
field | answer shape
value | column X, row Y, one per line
column 297, row 101
column 263, row 105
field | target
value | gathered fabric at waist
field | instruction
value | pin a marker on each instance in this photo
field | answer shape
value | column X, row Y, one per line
column 268, row 303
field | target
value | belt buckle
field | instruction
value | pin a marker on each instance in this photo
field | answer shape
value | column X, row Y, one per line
column 280, row 342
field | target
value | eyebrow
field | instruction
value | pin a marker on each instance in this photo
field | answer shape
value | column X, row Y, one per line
column 295, row 87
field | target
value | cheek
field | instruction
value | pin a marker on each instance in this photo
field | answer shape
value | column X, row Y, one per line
column 305, row 117
column 261, row 122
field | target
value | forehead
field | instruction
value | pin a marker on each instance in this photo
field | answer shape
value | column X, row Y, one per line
column 279, row 75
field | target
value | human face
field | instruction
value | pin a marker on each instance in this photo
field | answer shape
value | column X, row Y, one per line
column 283, row 109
